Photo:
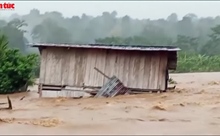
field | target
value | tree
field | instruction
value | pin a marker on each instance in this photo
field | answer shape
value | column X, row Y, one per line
column 126, row 26
column 15, row 34
column 17, row 23
column 135, row 40
column 187, row 44
column 212, row 47
column 186, row 27
column 3, row 23
column 48, row 31
column 16, row 70
column 34, row 12
column 173, row 18
column 3, row 46
column 110, row 40
column 155, row 35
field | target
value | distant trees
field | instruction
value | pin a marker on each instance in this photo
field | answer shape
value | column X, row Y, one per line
column 49, row 32
column 212, row 47
column 190, row 33
column 187, row 44
column 13, row 30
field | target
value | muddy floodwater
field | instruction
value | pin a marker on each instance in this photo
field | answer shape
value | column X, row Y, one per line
column 192, row 108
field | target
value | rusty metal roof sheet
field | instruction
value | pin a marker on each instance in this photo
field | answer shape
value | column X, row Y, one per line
column 111, row 46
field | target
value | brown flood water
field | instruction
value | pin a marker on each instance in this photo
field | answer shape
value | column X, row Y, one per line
column 192, row 108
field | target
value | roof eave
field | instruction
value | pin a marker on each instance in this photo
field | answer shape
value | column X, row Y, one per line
column 149, row 48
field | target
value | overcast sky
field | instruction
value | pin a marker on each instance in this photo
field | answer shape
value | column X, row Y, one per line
column 137, row 9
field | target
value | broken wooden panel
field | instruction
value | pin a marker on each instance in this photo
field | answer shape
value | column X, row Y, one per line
column 106, row 87
column 112, row 88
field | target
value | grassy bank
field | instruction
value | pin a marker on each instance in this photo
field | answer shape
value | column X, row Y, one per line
column 197, row 63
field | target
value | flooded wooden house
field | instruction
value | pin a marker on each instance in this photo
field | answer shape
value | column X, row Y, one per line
column 138, row 67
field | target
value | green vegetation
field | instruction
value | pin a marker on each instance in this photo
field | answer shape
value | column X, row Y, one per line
column 16, row 70
column 197, row 63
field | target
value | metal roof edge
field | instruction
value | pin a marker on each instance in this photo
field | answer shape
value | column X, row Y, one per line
column 109, row 46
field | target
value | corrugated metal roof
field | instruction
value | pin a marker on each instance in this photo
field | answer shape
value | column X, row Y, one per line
column 111, row 46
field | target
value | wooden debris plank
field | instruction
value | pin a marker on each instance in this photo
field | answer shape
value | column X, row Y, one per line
column 112, row 88
column 104, row 88
column 117, row 91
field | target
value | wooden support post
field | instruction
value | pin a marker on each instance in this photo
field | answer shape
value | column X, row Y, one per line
column 40, row 90
column 9, row 105
column 167, row 80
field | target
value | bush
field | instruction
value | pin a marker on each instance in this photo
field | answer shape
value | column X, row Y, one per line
column 16, row 70
column 197, row 63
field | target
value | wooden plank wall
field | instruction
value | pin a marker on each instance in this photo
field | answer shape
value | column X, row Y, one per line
column 73, row 67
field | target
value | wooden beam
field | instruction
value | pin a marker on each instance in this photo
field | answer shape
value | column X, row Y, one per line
column 101, row 72
column 40, row 90
column 9, row 105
